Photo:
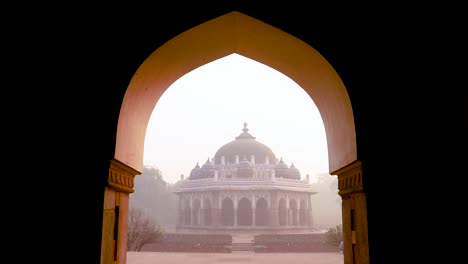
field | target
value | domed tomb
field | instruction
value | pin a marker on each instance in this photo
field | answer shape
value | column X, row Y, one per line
column 244, row 145
column 244, row 188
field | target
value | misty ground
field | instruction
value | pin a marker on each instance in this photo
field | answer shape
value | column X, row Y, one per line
column 237, row 257
column 145, row 257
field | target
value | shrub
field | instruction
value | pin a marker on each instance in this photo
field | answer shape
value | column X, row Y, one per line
column 335, row 235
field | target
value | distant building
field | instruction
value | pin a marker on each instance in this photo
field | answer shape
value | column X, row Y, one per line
column 244, row 188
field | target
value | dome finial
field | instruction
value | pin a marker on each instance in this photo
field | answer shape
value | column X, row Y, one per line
column 245, row 129
column 245, row 134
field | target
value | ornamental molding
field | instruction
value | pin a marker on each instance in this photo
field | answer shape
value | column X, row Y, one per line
column 350, row 179
column 121, row 177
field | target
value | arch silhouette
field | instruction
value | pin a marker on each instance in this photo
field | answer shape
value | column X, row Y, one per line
column 207, row 212
column 261, row 212
column 227, row 212
column 236, row 33
column 244, row 212
column 196, row 212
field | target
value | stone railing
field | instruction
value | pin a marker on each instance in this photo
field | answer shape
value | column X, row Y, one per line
column 212, row 243
column 291, row 180
column 264, row 182
column 250, row 179
column 293, row 243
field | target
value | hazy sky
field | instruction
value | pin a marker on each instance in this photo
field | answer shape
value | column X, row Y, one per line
column 206, row 108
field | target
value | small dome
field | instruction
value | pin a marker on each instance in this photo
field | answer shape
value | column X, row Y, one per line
column 195, row 173
column 294, row 172
column 207, row 169
column 245, row 168
column 281, row 169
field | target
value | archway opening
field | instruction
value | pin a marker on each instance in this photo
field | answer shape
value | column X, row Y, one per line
column 187, row 213
column 303, row 213
column 207, row 212
column 227, row 212
column 283, row 212
column 261, row 212
column 244, row 212
column 196, row 212
column 293, row 217
column 290, row 56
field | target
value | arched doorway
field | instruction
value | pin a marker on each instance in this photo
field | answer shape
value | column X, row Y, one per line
column 244, row 212
column 227, row 212
column 282, row 212
column 261, row 212
column 207, row 212
column 187, row 212
column 251, row 38
column 196, row 212
column 303, row 213
column 293, row 213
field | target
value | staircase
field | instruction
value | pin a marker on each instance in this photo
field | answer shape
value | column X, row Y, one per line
column 242, row 243
column 242, row 246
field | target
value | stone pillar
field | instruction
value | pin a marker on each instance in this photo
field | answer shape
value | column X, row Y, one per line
column 116, row 202
column 354, row 213
column 273, row 210
column 191, row 211
column 199, row 216
column 253, row 216
column 298, row 220
column 310, row 218
column 215, row 209
column 180, row 212
column 254, row 204
column 235, row 215
column 236, row 203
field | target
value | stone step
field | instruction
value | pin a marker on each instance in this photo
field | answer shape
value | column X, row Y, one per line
column 242, row 247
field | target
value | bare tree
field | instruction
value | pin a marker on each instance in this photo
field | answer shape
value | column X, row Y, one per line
column 141, row 230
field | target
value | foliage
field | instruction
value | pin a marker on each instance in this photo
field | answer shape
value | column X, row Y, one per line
column 334, row 235
column 326, row 201
column 154, row 196
column 141, row 230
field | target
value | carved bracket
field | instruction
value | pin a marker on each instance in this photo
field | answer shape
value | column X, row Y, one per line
column 350, row 179
column 121, row 177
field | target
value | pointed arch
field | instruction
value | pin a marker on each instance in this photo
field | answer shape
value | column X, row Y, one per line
column 196, row 212
column 244, row 212
column 187, row 212
column 236, row 33
column 227, row 212
column 282, row 212
column 207, row 212
column 293, row 213
column 261, row 212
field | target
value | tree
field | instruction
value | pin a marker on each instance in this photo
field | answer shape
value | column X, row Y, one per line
column 141, row 230
column 327, row 201
column 155, row 196
column 335, row 235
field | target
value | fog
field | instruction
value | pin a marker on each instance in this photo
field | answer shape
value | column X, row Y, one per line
column 207, row 108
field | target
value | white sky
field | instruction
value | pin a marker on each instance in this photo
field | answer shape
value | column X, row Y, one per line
column 206, row 108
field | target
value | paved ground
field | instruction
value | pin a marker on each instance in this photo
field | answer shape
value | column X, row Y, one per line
column 233, row 258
